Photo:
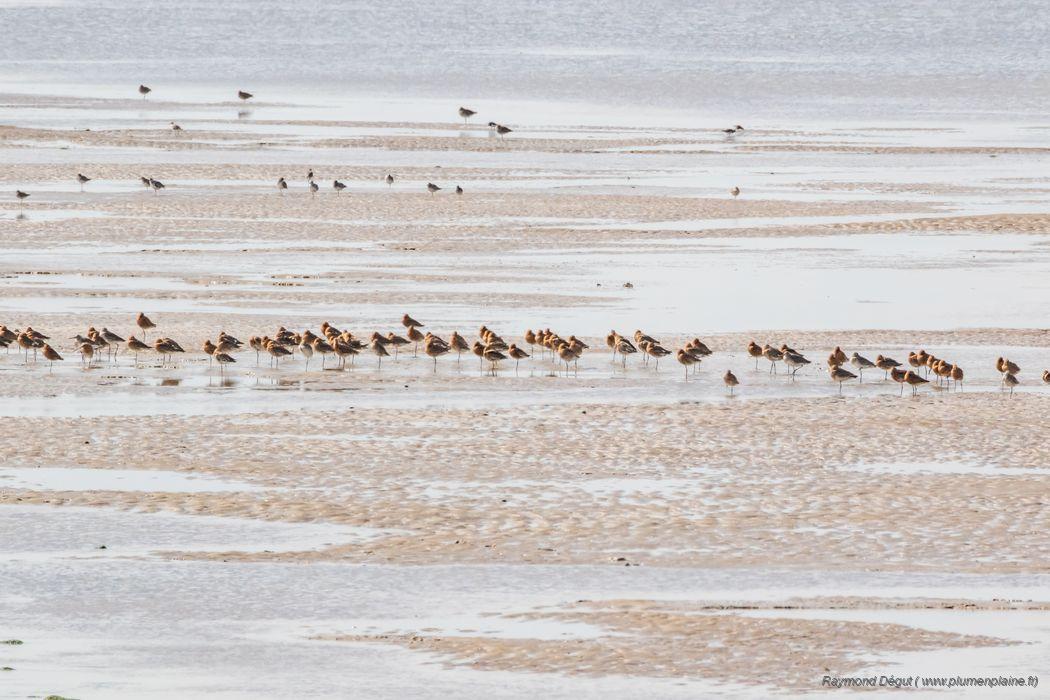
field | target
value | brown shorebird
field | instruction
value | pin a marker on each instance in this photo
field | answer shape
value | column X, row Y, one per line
column 503, row 130
column 244, row 95
column 861, row 363
column 21, row 196
column 956, row 375
column 143, row 322
column 379, row 348
column 435, row 347
column 914, row 381
column 466, row 113
column 755, row 351
column 886, row 364
column 409, row 322
column 87, row 351
column 655, row 351
column 735, row 192
column 840, row 356
column 322, row 348
column 338, row 186
column 432, row 188
column 494, row 357
column 459, row 344
column 83, row 180
column 389, row 180
column 687, row 360
column 415, row 336
column 838, row 374
column 899, row 375
column 143, row 90
column 50, row 355
column 1046, row 376
column 730, row 381
column 166, row 347
column 397, row 341
column 625, row 348
column 135, row 346
column 773, row 355
column 794, row 360
column 282, row 185
column 276, row 351
column 157, row 185
column 516, row 354
column 209, row 350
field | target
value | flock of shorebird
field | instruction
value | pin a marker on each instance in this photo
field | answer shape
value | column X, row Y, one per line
column 491, row 348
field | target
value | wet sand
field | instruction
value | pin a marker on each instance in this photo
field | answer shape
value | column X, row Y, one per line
column 612, row 527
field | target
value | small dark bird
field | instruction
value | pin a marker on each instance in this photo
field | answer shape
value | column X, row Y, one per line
column 175, row 127
column 338, row 186
column 282, row 185
column 503, row 130
column 21, row 196
column 143, row 90
column 145, row 181
column 313, row 187
column 459, row 190
column 432, row 187
column 389, row 179
column 492, row 126
column 157, row 185
column 310, row 174
column 244, row 95
column 83, row 180
column 732, row 130
column 466, row 113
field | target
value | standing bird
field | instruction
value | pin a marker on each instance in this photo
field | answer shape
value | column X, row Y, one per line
column 379, row 348
column 735, row 192
column 157, row 185
column 886, row 364
column 338, row 186
column 83, row 180
column 282, row 185
column 517, row 354
column 244, row 95
column 135, row 346
column 313, row 187
column 687, row 360
column 459, row 190
column 838, row 374
column 175, row 127
column 466, row 113
column 143, row 90
column 774, row 356
column 389, row 179
column 1011, row 381
column 434, row 348
column 143, row 322
column 755, row 351
column 21, row 196
column 730, row 381
column 956, row 375
column 432, row 188
column 794, row 360
column 899, row 376
column 50, row 355
column 409, row 322
column 503, row 130
column 223, row 359
column 861, row 363
column 145, row 181
column 914, row 381
column 1046, row 376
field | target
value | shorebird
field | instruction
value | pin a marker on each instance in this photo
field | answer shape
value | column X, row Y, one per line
column 209, row 349
column 494, row 357
column 794, row 360
column 409, row 322
column 313, row 187
column 145, row 181
column 157, row 185
column 166, row 347
column 517, row 354
column 840, row 356
column 310, row 175
column 277, row 351
column 861, row 363
column 50, row 355
column 503, row 130
column 479, row 350
column 459, row 344
column 322, row 348
column 774, row 356
column 1011, row 381
column 1046, row 376
column 492, row 126
column 838, row 374
column 338, row 186
column 223, row 359
column 686, row 359
column 415, row 336
column 143, row 90
column 379, row 348
column 886, row 364
column 282, row 185
column 466, row 113
column 459, row 190
column 175, row 127
column 432, row 188
column 956, row 375
column 732, row 130
column 914, row 381
column 625, row 348
column 244, row 95
column 83, row 180
column 397, row 341
column 898, row 375
column 135, row 346
column 87, row 351
column 730, row 381
column 655, row 351
column 143, row 322
column 389, row 180
column 21, row 196
column 755, row 351
column 735, row 192
column 435, row 348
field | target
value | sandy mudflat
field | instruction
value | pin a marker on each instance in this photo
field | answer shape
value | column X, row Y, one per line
column 613, row 526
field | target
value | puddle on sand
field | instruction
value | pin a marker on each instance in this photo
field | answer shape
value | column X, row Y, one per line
column 81, row 479
column 49, row 532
